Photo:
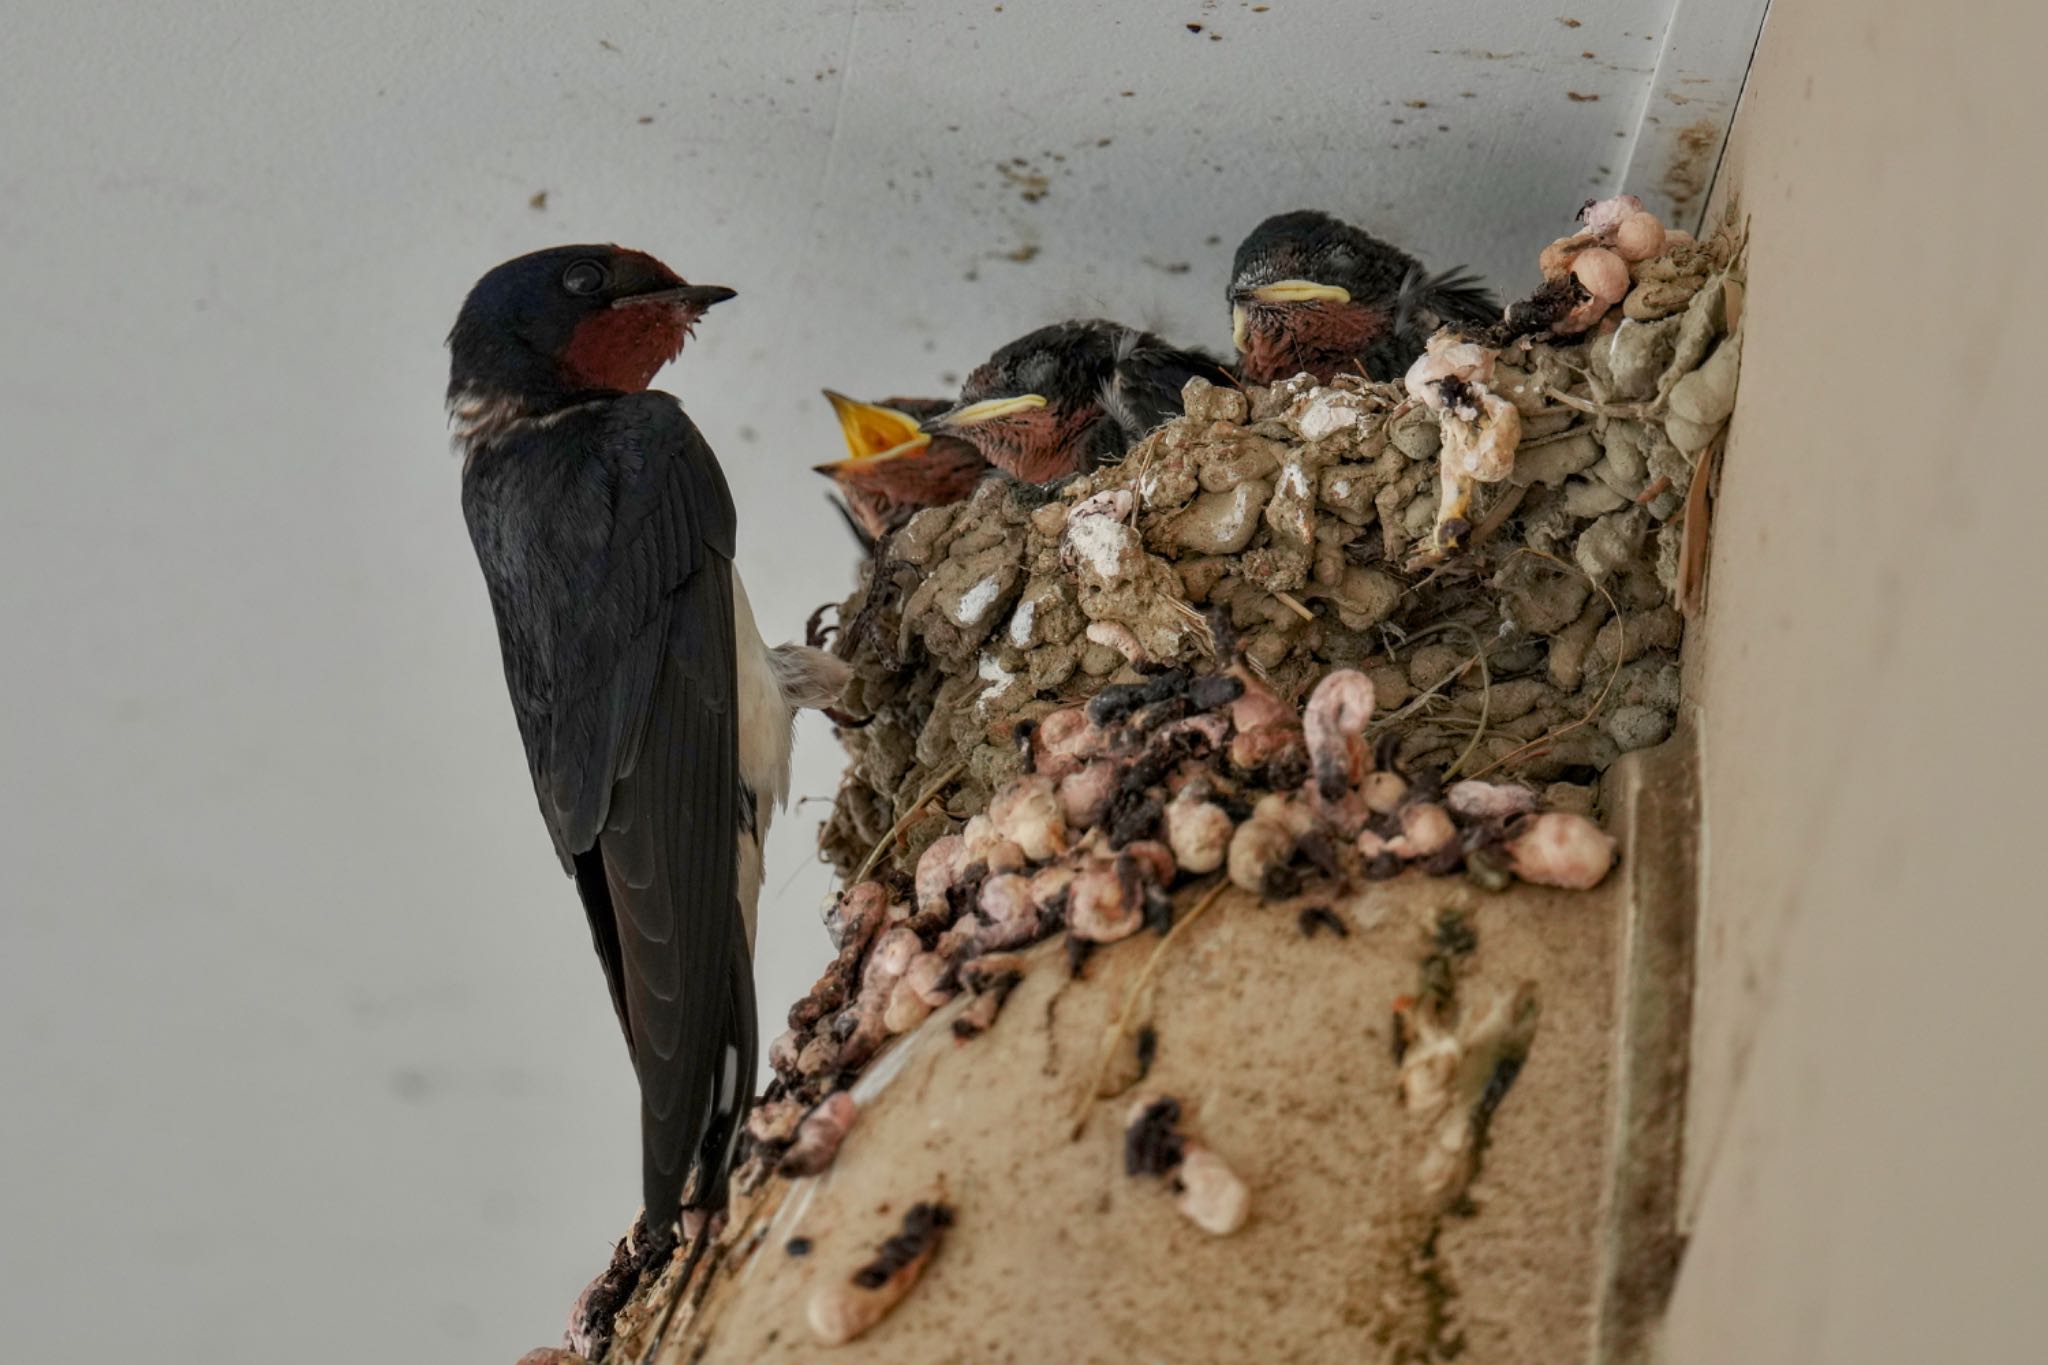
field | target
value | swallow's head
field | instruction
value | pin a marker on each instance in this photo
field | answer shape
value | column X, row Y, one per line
column 1309, row 292
column 894, row 466
column 570, row 320
column 1029, row 408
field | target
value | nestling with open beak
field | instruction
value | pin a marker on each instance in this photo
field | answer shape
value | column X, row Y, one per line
column 1068, row 398
column 893, row 466
column 1311, row 293
column 656, row 722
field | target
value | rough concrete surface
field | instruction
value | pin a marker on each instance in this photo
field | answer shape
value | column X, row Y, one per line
column 1279, row 1046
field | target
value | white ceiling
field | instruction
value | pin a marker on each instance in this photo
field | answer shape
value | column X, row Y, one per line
column 301, row 1035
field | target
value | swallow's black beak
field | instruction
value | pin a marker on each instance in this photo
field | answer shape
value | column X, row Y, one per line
column 692, row 296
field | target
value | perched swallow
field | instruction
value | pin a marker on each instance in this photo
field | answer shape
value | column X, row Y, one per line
column 893, row 466
column 656, row 722
column 1069, row 397
column 1311, row 293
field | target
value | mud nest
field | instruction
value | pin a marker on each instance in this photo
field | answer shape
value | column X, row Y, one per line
column 1532, row 635
column 1304, row 639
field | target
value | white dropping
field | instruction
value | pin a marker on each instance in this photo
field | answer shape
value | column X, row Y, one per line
column 1021, row 622
column 975, row 602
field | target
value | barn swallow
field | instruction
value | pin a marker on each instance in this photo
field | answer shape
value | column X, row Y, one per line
column 893, row 466
column 656, row 723
column 1312, row 293
column 1070, row 397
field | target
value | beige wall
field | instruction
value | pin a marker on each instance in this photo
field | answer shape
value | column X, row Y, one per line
column 1868, row 1098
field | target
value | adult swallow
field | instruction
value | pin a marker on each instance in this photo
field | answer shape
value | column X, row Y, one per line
column 1070, row 397
column 656, row 722
column 1312, row 293
column 893, row 466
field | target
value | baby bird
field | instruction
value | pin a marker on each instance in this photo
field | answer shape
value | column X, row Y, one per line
column 1071, row 397
column 1312, row 294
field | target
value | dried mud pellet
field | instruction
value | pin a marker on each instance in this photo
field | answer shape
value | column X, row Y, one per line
column 775, row 1120
column 1257, row 707
column 1154, row 860
column 819, row 1136
column 1011, row 910
column 1384, row 792
column 1334, row 724
column 928, row 974
column 1049, row 884
column 1007, row 856
column 1027, row 812
column 869, row 1013
column 1085, row 793
column 1638, row 237
column 1208, row 1193
column 1259, row 849
column 856, row 913
column 842, row 1310
column 819, row 1055
column 1555, row 260
column 906, row 1009
column 1425, row 829
column 1471, row 800
column 980, row 835
column 1251, row 750
column 1063, row 741
column 939, row 867
column 1198, row 832
column 1283, row 809
column 1604, row 274
column 1603, row 216
column 1563, row 850
column 1103, row 907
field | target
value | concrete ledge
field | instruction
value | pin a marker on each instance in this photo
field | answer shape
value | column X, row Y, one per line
column 1280, row 1048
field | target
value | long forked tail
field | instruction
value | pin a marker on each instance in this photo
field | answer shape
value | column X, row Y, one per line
column 729, row 1101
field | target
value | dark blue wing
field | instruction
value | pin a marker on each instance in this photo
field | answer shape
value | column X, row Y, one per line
column 608, row 540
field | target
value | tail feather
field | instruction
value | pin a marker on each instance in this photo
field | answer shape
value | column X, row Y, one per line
column 1460, row 295
column 734, row 1086
column 1143, row 391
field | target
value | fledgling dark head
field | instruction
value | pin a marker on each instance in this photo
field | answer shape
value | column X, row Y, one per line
column 1069, row 397
column 547, row 327
column 1032, row 408
column 894, row 466
column 1312, row 293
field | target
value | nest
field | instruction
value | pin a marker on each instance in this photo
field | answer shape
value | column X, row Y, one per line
column 1305, row 639
column 1302, row 528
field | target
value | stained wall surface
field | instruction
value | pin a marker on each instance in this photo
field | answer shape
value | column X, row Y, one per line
column 1869, row 1087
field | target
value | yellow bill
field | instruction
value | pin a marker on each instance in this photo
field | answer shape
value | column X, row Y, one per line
column 988, row 409
column 1284, row 291
column 873, row 432
column 1301, row 291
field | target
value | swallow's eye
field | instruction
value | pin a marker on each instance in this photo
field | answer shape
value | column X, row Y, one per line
column 585, row 277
